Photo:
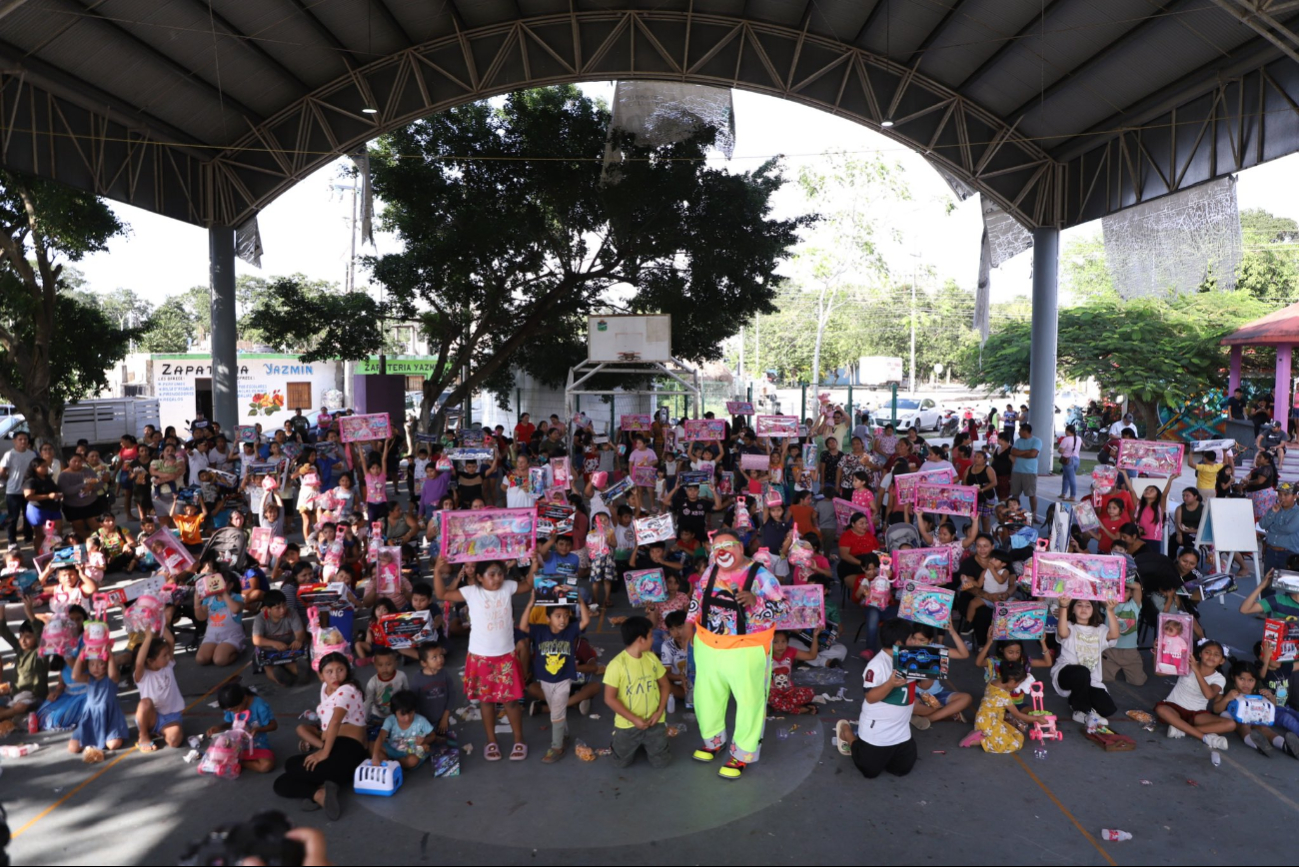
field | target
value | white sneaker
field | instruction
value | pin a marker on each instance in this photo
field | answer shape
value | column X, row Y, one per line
column 1098, row 720
column 1175, row 733
column 1215, row 742
column 1080, row 717
column 922, row 723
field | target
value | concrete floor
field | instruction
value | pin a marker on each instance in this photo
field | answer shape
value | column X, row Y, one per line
column 801, row 799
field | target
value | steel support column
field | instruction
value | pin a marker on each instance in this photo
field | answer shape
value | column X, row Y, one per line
column 1281, row 413
column 1041, row 372
column 225, row 359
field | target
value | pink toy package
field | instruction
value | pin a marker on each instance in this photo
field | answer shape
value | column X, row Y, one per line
column 259, row 545
column 59, row 637
column 597, row 544
column 222, row 756
column 1173, row 644
column 488, row 534
column 97, row 638
column 387, row 579
column 144, row 615
column 561, row 471
column 325, row 639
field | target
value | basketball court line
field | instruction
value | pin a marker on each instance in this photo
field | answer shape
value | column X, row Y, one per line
column 127, row 751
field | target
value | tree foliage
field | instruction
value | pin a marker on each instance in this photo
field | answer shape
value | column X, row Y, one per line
column 841, row 256
column 170, row 327
column 1269, row 263
column 869, row 321
column 54, row 347
column 1149, row 349
column 513, row 232
column 1084, row 276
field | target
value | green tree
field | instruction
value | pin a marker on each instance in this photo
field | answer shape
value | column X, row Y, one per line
column 1153, row 351
column 842, row 253
column 170, row 328
column 54, row 348
column 505, row 253
column 1269, row 263
column 1084, row 276
column 295, row 315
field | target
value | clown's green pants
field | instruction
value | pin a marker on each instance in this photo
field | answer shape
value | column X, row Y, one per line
column 743, row 672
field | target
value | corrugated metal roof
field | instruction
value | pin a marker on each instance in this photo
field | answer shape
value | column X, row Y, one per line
column 1086, row 61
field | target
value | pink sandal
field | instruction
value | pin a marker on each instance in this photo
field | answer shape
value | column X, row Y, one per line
column 492, row 753
column 519, row 753
column 973, row 739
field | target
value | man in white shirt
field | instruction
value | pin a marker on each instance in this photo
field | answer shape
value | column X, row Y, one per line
column 1117, row 429
column 13, row 468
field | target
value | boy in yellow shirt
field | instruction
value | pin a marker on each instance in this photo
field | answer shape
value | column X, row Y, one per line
column 636, row 689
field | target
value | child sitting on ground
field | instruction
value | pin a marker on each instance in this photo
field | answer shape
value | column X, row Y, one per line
column 935, row 701
column 1257, row 736
column 432, row 686
column 1274, row 684
column 421, row 599
column 161, row 705
column 31, row 670
column 784, row 697
column 1186, row 710
column 636, row 689
column 374, row 636
column 103, row 725
column 1124, row 655
column 388, row 680
column 991, row 729
column 406, row 735
column 1013, row 650
column 234, row 699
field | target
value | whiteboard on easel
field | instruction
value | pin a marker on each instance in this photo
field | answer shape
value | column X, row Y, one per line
column 1228, row 525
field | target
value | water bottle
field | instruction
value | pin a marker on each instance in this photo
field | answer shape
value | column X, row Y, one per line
column 1215, row 758
column 782, row 734
column 672, row 704
column 1114, row 835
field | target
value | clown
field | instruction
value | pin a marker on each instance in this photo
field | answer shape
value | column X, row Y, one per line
column 733, row 614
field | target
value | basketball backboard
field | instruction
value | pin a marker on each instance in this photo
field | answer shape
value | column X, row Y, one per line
column 629, row 338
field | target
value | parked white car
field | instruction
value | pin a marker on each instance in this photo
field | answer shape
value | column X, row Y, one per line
column 922, row 413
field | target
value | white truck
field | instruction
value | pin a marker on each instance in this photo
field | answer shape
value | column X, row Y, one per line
column 105, row 421
column 879, row 370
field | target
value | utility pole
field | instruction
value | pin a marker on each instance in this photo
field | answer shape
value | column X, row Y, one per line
column 349, row 282
column 913, row 332
column 741, row 374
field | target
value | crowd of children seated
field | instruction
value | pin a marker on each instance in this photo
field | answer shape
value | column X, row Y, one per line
column 358, row 594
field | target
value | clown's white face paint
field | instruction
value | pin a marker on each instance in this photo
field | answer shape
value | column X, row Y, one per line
column 727, row 553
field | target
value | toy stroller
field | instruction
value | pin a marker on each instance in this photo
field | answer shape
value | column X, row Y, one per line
column 1044, row 728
